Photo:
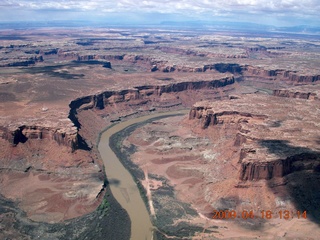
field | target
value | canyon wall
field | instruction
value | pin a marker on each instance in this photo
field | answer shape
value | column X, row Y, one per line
column 112, row 106
column 67, row 134
column 295, row 94
column 101, row 100
column 208, row 117
column 23, row 61
column 259, row 158
column 220, row 67
column 117, row 57
column 279, row 168
column 163, row 66
column 245, row 70
column 265, row 170
column 63, row 136
column 279, row 73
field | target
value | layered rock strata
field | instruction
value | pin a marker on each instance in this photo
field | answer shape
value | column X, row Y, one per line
column 23, row 61
column 101, row 100
column 115, row 105
column 280, row 73
column 66, row 136
column 264, row 153
column 295, row 93
column 245, row 70
column 40, row 152
column 250, row 153
column 163, row 66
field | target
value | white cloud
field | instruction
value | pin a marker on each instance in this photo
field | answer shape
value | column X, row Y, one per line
column 189, row 8
column 121, row 5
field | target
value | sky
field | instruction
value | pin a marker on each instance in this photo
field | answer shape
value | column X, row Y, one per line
column 269, row 12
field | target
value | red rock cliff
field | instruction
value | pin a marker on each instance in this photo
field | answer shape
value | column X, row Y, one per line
column 99, row 101
column 260, row 140
column 63, row 136
column 279, row 168
column 280, row 73
column 295, row 94
column 209, row 117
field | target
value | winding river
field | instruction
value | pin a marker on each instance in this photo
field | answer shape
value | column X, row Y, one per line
column 122, row 185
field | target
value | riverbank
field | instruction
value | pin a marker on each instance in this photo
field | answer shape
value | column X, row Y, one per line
column 107, row 223
column 168, row 208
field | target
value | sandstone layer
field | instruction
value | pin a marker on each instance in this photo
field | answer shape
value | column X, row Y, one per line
column 56, row 97
column 246, row 153
column 65, row 150
column 297, row 128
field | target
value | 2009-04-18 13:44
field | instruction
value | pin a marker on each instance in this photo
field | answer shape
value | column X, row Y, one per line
column 263, row 214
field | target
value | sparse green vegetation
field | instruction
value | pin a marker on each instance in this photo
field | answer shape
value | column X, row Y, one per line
column 104, row 207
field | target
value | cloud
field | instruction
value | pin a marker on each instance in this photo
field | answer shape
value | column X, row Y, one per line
column 165, row 5
column 240, row 8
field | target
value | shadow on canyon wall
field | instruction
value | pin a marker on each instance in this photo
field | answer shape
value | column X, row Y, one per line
column 303, row 179
column 82, row 144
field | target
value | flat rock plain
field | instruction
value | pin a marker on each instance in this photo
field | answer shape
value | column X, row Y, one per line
column 49, row 163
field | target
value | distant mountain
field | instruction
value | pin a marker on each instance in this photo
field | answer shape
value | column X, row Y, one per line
column 217, row 24
column 301, row 29
column 224, row 25
column 199, row 25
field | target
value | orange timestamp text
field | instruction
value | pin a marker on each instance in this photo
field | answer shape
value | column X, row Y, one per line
column 263, row 214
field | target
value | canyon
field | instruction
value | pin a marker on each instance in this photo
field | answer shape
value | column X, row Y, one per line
column 226, row 151
column 252, row 125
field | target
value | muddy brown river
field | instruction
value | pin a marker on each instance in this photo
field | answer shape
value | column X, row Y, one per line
column 122, row 186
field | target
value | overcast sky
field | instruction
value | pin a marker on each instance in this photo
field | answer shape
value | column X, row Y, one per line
column 271, row 12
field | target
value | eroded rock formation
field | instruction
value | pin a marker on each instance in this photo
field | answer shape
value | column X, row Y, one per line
column 290, row 93
column 261, row 156
column 280, row 73
column 42, row 151
column 208, row 117
column 245, row 70
column 63, row 136
column 23, row 61
column 140, row 93
column 279, row 168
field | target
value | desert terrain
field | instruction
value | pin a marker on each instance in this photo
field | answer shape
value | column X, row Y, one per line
column 249, row 142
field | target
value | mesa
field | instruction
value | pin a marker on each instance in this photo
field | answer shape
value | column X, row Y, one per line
column 250, row 139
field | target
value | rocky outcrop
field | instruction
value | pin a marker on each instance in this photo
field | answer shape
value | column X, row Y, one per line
column 138, row 99
column 42, row 52
column 23, row 62
column 264, row 170
column 209, row 117
column 264, row 51
column 220, row 67
column 67, row 55
column 121, row 57
column 87, row 57
column 63, row 136
column 270, row 145
column 177, row 51
column 292, row 76
column 225, row 67
column 295, row 94
column 245, row 70
column 249, row 170
column 279, row 168
column 280, row 73
column 164, row 66
column 101, row 100
column 190, row 52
